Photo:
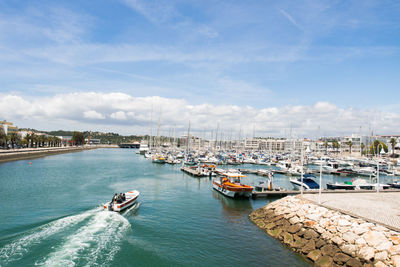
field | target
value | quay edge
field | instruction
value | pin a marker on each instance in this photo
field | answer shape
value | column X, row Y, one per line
column 327, row 237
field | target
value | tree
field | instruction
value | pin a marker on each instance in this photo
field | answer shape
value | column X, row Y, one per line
column 326, row 147
column 78, row 138
column 335, row 145
column 27, row 139
column 350, row 144
column 2, row 137
column 14, row 138
column 33, row 139
column 373, row 148
column 362, row 148
column 393, row 143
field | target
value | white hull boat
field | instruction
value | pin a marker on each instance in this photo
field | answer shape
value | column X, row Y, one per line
column 130, row 199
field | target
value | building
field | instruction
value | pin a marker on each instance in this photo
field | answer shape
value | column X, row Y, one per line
column 251, row 144
column 355, row 144
column 8, row 127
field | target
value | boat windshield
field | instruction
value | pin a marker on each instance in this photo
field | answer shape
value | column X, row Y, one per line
column 311, row 183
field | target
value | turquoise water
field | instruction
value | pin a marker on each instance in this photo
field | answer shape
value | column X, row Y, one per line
column 51, row 215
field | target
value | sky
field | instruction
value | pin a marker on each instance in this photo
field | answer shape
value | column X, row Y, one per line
column 267, row 68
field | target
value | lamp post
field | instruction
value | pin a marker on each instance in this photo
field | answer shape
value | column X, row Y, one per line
column 302, row 157
column 377, row 160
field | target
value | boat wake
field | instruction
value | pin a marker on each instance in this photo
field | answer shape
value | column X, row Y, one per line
column 84, row 239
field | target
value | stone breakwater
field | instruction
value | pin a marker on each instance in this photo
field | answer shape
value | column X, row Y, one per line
column 328, row 237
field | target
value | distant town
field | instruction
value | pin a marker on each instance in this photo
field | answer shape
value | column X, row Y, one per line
column 13, row 137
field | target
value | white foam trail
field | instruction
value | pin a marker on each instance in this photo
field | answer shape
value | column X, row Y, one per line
column 19, row 247
column 94, row 242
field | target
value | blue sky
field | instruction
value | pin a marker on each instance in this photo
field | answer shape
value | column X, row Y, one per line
column 234, row 54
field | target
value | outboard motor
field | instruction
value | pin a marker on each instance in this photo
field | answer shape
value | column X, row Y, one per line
column 110, row 207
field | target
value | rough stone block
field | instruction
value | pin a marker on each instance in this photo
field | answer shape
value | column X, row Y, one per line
column 374, row 238
column 308, row 247
column 324, row 261
column 310, row 234
column 274, row 232
column 294, row 228
column 366, row 253
column 385, row 246
column 337, row 240
column 341, row 258
column 349, row 249
column 320, row 243
column 381, row 256
column 329, row 250
column 353, row 262
column 350, row 237
column 379, row 264
column 360, row 241
column 396, row 261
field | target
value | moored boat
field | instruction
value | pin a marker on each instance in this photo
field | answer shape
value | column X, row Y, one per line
column 308, row 183
column 231, row 186
column 127, row 200
column 334, row 186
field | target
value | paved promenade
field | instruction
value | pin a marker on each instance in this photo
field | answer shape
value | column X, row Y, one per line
column 382, row 208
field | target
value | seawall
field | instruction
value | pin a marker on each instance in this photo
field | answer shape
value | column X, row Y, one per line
column 327, row 237
column 12, row 155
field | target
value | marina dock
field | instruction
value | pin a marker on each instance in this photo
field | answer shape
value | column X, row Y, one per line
column 193, row 171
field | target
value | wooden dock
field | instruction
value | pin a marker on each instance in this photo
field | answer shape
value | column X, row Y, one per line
column 193, row 171
column 284, row 193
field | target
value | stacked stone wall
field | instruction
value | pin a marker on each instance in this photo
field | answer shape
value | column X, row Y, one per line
column 327, row 237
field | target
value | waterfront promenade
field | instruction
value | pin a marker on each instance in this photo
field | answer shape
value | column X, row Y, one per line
column 30, row 153
column 382, row 208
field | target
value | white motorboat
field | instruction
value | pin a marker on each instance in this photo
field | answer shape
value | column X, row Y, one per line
column 307, row 184
column 122, row 204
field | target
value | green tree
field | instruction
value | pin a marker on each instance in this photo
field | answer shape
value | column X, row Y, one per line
column 362, row 148
column 14, row 139
column 33, row 139
column 2, row 137
column 350, row 144
column 393, row 143
column 326, row 147
column 78, row 138
column 373, row 149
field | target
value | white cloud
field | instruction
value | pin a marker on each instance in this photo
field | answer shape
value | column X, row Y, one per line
column 92, row 114
column 119, row 115
column 130, row 115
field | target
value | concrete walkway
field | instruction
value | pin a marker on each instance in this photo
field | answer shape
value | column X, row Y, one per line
column 382, row 208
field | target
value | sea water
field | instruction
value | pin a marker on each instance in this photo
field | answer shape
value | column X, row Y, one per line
column 51, row 215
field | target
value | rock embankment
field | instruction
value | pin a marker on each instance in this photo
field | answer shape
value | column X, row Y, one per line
column 328, row 237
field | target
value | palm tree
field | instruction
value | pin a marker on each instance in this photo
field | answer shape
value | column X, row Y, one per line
column 14, row 138
column 2, row 136
column 326, row 147
column 350, row 144
column 362, row 147
column 393, row 142
column 33, row 139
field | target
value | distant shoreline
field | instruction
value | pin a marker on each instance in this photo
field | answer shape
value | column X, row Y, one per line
column 32, row 153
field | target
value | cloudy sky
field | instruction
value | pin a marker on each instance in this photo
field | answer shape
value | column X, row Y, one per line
column 318, row 68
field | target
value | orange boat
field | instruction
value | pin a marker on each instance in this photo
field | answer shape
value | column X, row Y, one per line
column 231, row 186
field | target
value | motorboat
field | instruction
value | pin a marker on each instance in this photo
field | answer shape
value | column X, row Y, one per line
column 231, row 186
column 395, row 184
column 344, row 186
column 362, row 184
column 122, row 204
column 158, row 159
column 308, row 182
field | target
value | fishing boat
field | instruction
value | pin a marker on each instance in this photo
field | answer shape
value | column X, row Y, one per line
column 122, row 204
column 231, row 186
column 308, row 183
